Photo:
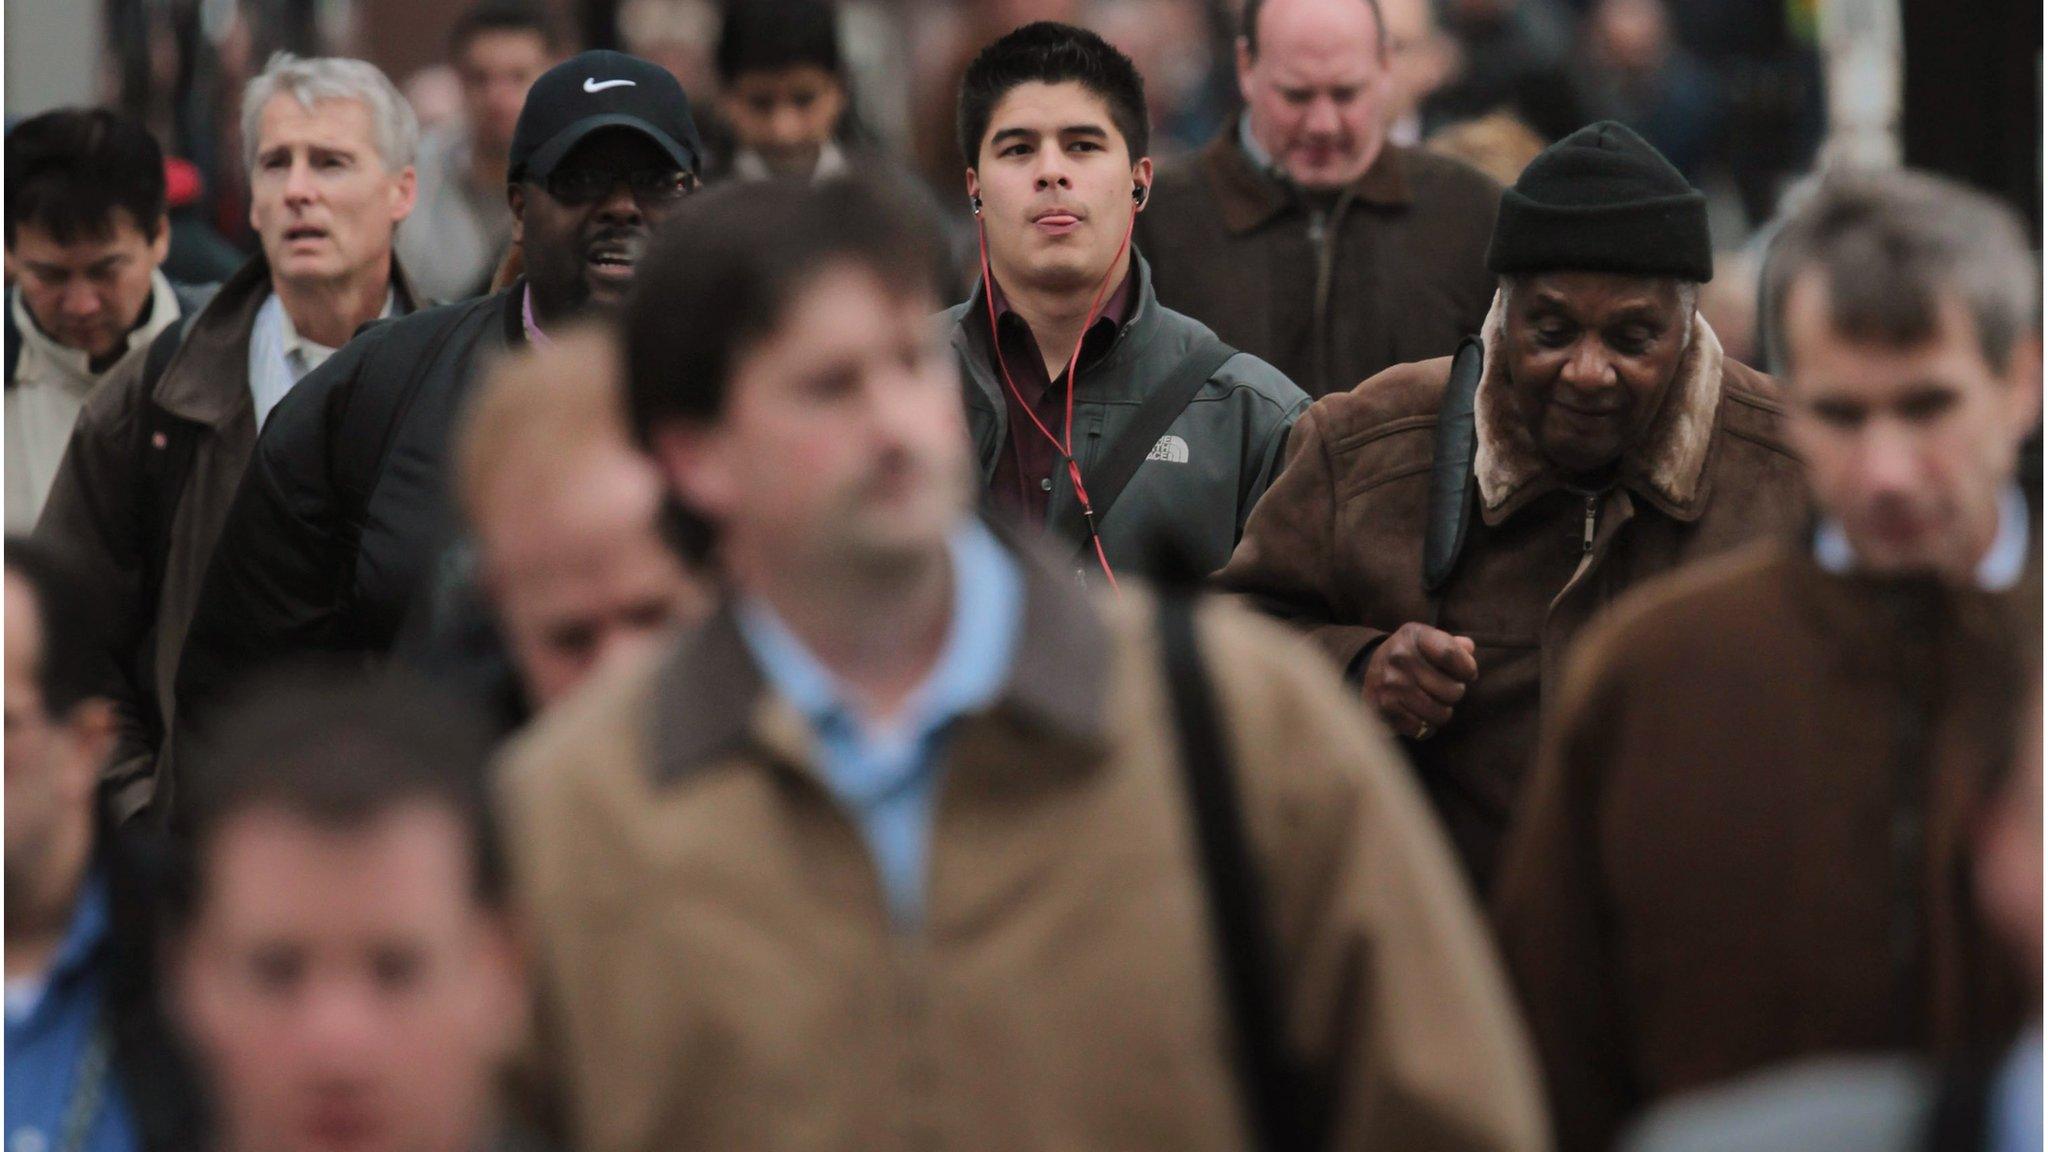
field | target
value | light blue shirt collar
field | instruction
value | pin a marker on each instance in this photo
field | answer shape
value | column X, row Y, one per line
column 2015, row 1120
column 887, row 776
column 2000, row 569
column 972, row 666
column 83, row 937
column 279, row 357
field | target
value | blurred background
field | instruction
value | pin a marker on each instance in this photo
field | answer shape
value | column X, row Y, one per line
column 1745, row 96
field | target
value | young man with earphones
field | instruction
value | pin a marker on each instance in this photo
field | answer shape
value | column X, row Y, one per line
column 1111, row 422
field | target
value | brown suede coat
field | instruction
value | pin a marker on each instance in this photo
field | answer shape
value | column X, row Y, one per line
column 1747, row 840
column 1336, row 545
column 721, row 970
column 1391, row 270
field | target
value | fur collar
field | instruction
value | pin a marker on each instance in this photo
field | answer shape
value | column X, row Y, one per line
column 1668, row 464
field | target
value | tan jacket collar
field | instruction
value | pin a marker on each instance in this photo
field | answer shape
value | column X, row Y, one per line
column 712, row 698
column 1667, row 465
column 1249, row 197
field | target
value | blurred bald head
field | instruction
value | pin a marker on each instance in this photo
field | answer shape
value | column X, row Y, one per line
column 1316, row 83
column 566, row 514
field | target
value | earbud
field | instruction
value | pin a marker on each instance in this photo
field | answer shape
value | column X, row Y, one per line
column 1138, row 195
column 974, row 202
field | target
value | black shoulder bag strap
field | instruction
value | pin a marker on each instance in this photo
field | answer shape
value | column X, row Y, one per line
column 1959, row 1117
column 1277, row 1106
column 1450, row 476
column 13, row 343
column 1161, row 407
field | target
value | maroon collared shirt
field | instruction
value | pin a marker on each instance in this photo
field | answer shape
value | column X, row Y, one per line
column 1024, row 470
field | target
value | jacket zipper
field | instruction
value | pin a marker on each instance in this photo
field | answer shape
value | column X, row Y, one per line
column 1592, row 527
column 1322, row 232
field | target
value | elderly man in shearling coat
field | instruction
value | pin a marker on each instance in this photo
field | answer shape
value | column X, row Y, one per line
column 1446, row 543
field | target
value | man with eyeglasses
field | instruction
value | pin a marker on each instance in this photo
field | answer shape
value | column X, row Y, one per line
column 345, row 512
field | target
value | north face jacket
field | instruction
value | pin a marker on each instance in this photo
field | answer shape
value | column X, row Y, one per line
column 1204, row 473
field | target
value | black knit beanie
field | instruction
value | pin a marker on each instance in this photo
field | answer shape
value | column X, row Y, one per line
column 1602, row 200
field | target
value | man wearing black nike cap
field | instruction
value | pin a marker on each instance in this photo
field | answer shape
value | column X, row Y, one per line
column 604, row 148
column 344, row 513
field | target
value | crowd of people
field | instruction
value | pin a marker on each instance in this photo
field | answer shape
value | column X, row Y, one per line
column 625, row 624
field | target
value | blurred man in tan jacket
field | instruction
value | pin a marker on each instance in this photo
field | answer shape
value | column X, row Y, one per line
column 893, row 852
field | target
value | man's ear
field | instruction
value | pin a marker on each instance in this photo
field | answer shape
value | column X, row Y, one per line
column 160, row 244
column 408, row 195
column 508, row 965
column 1245, row 60
column 515, row 195
column 694, row 461
column 92, row 729
column 973, row 184
column 836, row 96
column 489, row 575
column 1141, row 176
column 2023, row 385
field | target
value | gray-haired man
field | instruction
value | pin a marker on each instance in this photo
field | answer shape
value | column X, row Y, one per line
column 1746, row 840
column 154, row 463
column 345, row 513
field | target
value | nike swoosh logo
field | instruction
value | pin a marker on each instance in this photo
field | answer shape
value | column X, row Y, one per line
column 594, row 85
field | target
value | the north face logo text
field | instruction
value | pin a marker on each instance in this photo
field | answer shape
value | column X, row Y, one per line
column 1170, row 450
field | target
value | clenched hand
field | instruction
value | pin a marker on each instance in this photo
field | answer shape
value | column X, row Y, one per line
column 1417, row 675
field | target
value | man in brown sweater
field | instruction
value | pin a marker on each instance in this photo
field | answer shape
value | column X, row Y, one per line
column 1301, row 234
column 1607, row 441
column 1746, row 840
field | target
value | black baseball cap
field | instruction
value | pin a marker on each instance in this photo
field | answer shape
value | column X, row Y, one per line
column 594, row 90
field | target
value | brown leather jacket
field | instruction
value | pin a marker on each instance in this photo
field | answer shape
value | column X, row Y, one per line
column 1391, row 270
column 1336, row 545
column 722, row 970
column 148, row 528
column 1748, row 837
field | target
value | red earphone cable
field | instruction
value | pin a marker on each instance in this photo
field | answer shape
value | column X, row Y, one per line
column 1064, row 447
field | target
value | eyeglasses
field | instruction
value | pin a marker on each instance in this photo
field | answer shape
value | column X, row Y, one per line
column 580, row 186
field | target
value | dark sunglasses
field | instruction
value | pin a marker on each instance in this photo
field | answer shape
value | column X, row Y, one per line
column 579, row 186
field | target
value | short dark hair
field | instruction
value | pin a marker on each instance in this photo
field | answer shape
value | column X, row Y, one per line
column 68, row 614
column 1051, row 53
column 773, row 35
column 70, row 170
column 1248, row 26
column 1891, row 244
column 338, row 747
column 486, row 16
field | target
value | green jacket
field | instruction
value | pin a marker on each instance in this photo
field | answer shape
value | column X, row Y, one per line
column 1211, row 466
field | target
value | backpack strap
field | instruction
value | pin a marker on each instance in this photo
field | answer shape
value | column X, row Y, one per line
column 157, row 360
column 167, row 445
column 374, row 412
column 1162, row 406
column 1959, row 1117
column 13, row 342
column 1279, row 1112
